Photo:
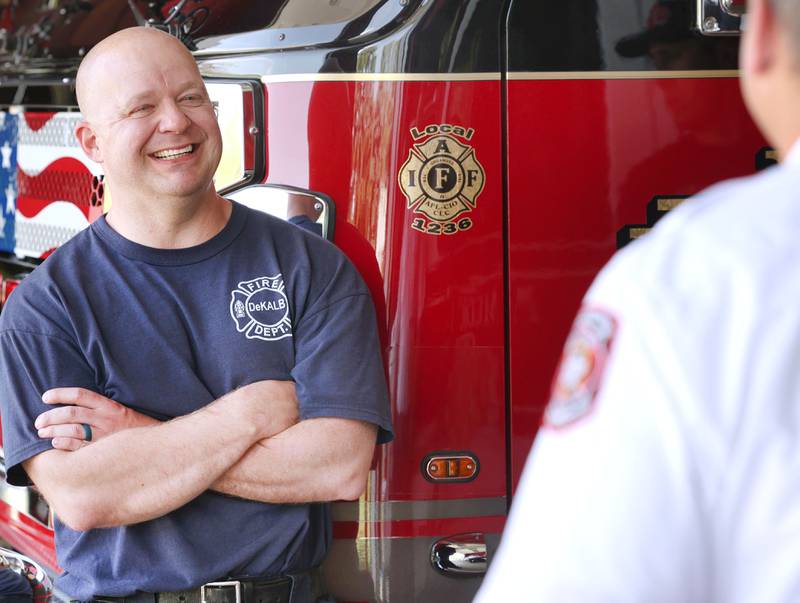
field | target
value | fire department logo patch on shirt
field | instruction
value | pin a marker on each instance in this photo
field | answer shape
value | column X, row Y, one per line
column 580, row 372
column 441, row 179
column 260, row 308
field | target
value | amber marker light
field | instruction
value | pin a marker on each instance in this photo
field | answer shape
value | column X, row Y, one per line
column 450, row 467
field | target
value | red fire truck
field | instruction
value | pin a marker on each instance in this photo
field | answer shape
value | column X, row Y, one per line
column 478, row 160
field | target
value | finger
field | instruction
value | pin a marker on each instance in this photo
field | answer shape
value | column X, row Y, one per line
column 69, row 430
column 64, row 414
column 68, row 444
column 77, row 396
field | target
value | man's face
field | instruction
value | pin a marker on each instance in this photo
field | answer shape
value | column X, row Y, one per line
column 156, row 130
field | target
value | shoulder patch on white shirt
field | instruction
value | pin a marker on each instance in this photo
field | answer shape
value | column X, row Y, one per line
column 580, row 372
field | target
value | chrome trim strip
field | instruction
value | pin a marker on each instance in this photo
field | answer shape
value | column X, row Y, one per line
column 622, row 75
column 376, row 19
column 382, row 77
column 419, row 509
column 496, row 76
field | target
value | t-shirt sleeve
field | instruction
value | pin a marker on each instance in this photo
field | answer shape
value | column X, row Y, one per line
column 30, row 364
column 338, row 367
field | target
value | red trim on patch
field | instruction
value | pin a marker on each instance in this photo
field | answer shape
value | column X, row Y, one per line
column 580, row 372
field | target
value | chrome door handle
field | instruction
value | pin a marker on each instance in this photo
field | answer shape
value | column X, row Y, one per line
column 460, row 555
column 720, row 17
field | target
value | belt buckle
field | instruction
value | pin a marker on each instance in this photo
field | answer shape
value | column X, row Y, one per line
column 237, row 586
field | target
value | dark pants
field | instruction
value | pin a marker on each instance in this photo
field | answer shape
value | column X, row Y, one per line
column 306, row 587
column 14, row 588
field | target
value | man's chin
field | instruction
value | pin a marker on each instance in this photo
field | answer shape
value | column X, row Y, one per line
column 185, row 190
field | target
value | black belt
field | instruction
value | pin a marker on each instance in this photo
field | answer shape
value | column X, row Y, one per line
column 277, row 590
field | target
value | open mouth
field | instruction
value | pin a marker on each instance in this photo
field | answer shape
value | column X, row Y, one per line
column 169, row 154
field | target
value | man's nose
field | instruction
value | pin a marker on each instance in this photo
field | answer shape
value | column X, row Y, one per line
column 172, row 118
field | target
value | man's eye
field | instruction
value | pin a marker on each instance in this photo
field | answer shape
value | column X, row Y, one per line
column 192, row 100
column 141, row 110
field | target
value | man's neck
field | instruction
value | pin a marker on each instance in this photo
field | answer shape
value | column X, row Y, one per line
column 779, row 119
column 792, row 154
column 174, row 223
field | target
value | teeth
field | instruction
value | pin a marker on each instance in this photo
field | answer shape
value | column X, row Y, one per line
column 172, row 153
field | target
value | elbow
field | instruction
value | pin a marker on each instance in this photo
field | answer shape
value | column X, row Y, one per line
column 75, row 500
column 78, row 522
column 76, row 519
column 352, row 484
column 77, row 514
column 352, row 490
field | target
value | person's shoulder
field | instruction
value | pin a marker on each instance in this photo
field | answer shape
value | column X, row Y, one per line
column 748, row 224
column 746, row 216
column 735, row 233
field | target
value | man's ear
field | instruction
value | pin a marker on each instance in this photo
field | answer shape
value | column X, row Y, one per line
column 759, row 49
column 87, row 138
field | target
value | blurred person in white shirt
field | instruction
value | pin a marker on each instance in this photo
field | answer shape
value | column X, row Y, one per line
column 667, row 468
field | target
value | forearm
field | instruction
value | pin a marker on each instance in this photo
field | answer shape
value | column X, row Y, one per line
column 315, row 460
column 142, row 473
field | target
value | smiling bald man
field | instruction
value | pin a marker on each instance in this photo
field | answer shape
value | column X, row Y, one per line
column 187, row 381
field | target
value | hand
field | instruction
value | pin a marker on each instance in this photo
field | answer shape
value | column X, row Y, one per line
column 65, row 423
column 272, row 405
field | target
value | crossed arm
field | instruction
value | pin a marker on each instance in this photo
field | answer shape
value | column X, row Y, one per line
column 247, row 444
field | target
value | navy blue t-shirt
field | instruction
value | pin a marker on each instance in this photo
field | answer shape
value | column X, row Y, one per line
column 166, row 332
column 13, row 585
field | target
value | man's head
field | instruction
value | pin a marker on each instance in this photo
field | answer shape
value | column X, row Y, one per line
column 148, row 118
column 770, row 69
column 789, row 14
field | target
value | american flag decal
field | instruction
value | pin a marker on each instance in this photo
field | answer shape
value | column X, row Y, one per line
column 8, row 180
column 54, row 184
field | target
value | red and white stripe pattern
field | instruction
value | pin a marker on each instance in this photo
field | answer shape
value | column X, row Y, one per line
column 56, row 183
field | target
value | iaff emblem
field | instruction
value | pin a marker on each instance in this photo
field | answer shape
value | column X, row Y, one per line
column 441, row 179
column 260, row 309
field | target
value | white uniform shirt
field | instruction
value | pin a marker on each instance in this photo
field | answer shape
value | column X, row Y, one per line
column 679, row 481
